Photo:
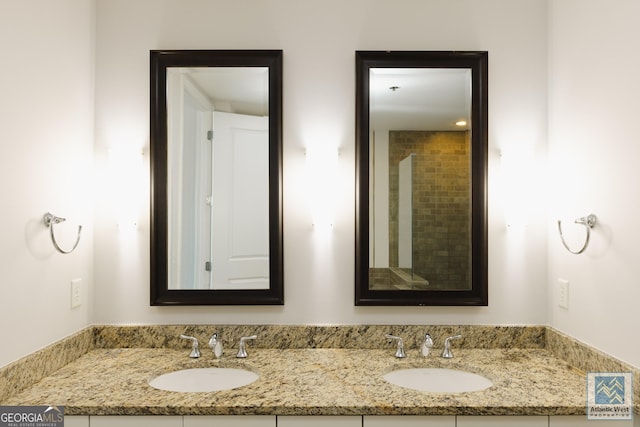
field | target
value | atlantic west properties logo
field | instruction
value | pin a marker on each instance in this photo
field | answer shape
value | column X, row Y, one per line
column 609, row 396
column 31, row 416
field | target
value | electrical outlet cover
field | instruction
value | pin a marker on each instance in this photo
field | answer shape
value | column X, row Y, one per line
column 76, row 293
column 563, row 293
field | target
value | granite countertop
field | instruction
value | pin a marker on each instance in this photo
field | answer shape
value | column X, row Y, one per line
column 310, row 382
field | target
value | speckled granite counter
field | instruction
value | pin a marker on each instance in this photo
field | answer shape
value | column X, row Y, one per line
column 311, row 382
column 309, row 370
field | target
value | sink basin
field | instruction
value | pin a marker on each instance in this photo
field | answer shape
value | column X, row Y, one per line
column 438, row 380
column 204, row 379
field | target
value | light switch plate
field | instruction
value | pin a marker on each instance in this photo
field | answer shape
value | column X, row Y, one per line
column 563, row 293
column 76, row 293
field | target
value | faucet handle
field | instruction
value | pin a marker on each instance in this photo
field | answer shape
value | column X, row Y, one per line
column 195, row 350
column 400, row 348
column 242, row 352
column 446, row 353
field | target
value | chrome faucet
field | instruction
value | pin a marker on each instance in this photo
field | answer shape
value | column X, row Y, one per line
column 446, row 353
column 195, row 350
column 426, row 345
column 242, row 352
column 400, row 349
column 216, row 345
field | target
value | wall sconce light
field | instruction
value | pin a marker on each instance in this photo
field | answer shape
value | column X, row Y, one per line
column 321, row 167
column 517, row 175
column 126, row 185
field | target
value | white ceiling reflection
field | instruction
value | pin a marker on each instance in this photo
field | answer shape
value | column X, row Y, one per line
column 420, row 98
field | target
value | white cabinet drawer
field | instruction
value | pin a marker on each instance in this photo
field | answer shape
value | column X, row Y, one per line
column 136, row 421
column 582, row 421
column 409, row 421
column 320, row 421
column 502, row 421
column 76, row 421
column 229, row 421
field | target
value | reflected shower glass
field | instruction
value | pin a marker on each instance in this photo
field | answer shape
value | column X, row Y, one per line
column 405, row 214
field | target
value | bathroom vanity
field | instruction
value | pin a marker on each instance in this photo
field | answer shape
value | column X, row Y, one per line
column 109, row 384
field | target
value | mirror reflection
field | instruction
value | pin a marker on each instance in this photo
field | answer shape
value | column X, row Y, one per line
column 421, row 178
column 216, row 164
column 218, row 157
column 420, row 181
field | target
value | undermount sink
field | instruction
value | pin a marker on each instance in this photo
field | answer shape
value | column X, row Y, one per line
column 438, row 380
column 204, row 379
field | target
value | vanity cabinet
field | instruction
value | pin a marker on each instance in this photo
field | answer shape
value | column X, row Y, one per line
column 171, row 421
column 408, row 421
column 339, row 421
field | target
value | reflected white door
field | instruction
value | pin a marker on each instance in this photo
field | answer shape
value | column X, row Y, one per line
column 189, row 172
column 240, row 204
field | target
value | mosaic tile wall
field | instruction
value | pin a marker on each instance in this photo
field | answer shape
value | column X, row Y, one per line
column 441, row 205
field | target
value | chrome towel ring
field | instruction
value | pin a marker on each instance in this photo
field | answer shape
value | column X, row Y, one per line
column 589, row 222
column 49, row 220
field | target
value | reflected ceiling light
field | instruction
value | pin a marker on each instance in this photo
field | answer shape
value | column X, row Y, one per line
column 461, row 123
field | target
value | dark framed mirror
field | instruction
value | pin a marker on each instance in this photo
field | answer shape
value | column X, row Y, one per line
column 421, row 178
column 216, row 177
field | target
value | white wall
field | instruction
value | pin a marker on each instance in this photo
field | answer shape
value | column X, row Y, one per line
column 46, row 105
column 319, row 39
column 593, row 159
column 47, row 108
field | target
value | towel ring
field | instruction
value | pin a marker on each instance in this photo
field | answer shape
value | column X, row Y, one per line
column 49, row 220
column 588, row 223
